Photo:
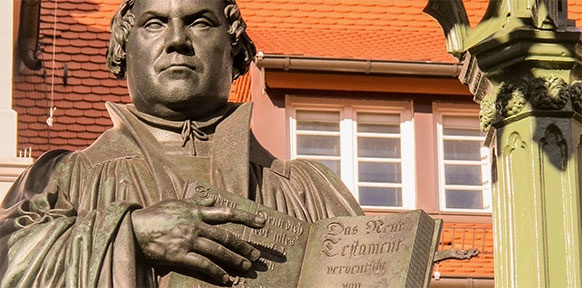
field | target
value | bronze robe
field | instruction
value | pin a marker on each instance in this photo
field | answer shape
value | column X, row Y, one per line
column 65, row 222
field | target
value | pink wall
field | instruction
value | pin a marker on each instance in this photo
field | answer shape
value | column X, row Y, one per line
column 268, row 123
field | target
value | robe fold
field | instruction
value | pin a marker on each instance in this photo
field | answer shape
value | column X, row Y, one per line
column 66, row 221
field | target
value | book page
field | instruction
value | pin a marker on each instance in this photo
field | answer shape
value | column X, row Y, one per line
column 366, row 251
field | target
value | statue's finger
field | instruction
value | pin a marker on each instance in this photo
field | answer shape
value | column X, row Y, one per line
column 220, row 254
column 204, row 265
column 219, row 215
column 205, row 202
column 230, row 241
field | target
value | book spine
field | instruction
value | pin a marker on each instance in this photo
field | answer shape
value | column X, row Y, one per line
column 417, row 269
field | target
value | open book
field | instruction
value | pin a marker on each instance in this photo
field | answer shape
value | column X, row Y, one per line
column 391, row 250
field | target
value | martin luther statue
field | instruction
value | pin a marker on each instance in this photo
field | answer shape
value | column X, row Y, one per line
column 121, row 212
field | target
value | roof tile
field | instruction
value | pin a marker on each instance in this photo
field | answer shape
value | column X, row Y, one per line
column 104, row 122
column 88, row 36
column 81, row 90
column 82, row 105
column 100, row 90
column 94, row 113
column 109, row 83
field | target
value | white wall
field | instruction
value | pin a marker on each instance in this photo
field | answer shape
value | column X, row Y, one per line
column 10, row 165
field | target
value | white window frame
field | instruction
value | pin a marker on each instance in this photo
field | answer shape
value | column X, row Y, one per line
column 348, row 109
column 463, row 110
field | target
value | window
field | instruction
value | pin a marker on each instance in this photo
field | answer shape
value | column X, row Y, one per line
column 368, row 143
column 464, row 183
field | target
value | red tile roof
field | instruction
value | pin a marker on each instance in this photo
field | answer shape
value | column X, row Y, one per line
column 241, row 89
column 373, row 29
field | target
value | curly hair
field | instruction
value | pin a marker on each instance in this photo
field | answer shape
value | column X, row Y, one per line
column 243, row 47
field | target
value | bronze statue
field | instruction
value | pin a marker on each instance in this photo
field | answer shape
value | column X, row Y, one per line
column 121, row 212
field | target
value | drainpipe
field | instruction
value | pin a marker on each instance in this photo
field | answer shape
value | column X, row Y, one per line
column 28, row 33
column 300, row 63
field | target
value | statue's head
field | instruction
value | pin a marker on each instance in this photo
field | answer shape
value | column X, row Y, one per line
column 179, row 56
column 123, row 21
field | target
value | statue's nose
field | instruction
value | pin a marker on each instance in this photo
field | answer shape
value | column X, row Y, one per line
column 178, row 39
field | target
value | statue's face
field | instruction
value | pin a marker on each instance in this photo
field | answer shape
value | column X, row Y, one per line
column 179, row 60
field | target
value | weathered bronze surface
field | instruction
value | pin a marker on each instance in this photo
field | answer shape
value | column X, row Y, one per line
column 119, row 213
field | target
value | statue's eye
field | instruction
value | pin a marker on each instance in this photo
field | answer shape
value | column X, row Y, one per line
column 201, row 23
column 154, row 24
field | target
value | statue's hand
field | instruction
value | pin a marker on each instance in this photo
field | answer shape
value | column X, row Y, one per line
column 182, row 233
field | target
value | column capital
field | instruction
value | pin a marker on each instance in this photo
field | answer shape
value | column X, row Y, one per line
column 523, row 56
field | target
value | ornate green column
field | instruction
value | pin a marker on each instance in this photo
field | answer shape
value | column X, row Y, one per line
column 522, row 63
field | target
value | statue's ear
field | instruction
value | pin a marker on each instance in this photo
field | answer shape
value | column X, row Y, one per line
column 235, row 50
column 237, row 54
column 235, row 74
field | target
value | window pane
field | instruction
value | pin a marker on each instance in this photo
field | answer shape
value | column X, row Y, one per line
column 318, row 120
column 378, row 123
column 374, row 196
column 461, row 126
column 462, row 150
column 318, row 116
column 378, row 128
column 318, row 145
column 318, row 126
column 463, row 175
column 378, row 118
column 379, row 147
column 333, row 165
column 464, row 199
column 379, row 172
column 461, row 122
column 462, row 132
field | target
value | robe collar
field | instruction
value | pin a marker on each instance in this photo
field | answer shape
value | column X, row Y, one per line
column 189, row 129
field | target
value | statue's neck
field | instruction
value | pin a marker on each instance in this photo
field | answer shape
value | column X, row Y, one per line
column 183, row 133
